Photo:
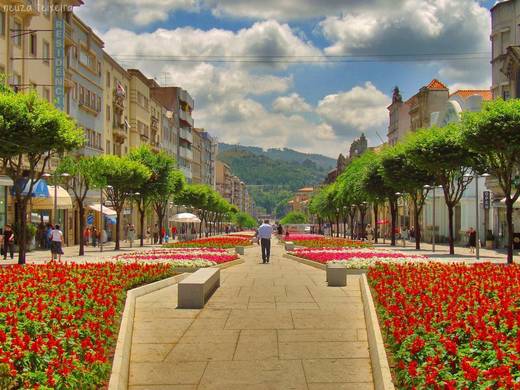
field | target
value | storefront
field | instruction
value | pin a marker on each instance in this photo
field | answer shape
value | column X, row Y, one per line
column 5, row 183
column 500, row 225
column 107, row 224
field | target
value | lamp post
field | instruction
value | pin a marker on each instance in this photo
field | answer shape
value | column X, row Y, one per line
column 55, row 180
column 101, row 215
column 429, row 187
column 477, row 211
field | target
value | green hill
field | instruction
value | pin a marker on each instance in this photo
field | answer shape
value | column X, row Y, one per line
column 274, row 175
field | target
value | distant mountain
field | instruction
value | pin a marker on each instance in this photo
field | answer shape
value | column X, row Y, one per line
column 284, row 154
column 274, row 175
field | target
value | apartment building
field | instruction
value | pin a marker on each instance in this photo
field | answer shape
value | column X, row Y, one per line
column 430, row 98
column 117, row 108
column 223, row 180
column 84, row 82
column 209, row 158
column 140, row 111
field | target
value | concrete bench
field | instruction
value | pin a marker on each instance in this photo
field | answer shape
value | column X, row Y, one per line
column 336, row 275
column 196, row 289
column 289, row 246
column 240, row 250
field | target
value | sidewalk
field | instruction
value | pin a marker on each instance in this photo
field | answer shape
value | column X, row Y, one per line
column 442, row 252
column 92, row 254
column 269, row 326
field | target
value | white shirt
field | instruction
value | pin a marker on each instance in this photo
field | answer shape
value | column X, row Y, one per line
column 56, row 235
column 265, row 231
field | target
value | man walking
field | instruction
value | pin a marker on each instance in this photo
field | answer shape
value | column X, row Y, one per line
column 265, row 231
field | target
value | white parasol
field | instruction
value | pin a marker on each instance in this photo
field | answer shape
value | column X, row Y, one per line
column 186, row 218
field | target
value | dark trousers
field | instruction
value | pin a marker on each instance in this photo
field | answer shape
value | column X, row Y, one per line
column 266, row 249
column 8, row 248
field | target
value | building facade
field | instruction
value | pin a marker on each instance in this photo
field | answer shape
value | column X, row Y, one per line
column 196, row 164
column 430, row 98
column 399, row 115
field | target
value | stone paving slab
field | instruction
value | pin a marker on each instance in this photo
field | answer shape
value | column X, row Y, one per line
column 269, row 326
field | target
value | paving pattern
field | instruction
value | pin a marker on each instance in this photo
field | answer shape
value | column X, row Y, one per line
column 269, row 326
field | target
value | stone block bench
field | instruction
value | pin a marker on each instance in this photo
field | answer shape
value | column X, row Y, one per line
column 196, row 289
column 336, row 275
column 240, row 250
column 289, row 246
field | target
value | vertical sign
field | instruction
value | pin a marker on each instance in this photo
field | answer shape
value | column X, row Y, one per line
column 486, row 200
column 59, row 62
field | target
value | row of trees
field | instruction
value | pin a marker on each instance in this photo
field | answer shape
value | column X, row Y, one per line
column 448, row 157
column 33, row 132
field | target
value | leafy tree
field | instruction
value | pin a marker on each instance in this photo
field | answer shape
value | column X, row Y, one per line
column 294, row 217
column 442, row 153
column 380, row 189
column 165, row 189
column 157, row 187
column 32, row 132
column 82, row 171
column 244, row 220
column 401, row 172
column 494, row 134
column 124, row 176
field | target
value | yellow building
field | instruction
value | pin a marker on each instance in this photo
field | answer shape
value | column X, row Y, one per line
column 140, row 114
column 117, row 108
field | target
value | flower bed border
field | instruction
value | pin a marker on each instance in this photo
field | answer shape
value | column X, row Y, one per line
column 221, row 266
column 121, row 362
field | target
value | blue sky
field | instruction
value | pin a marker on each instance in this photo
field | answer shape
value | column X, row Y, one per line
column 309, row 107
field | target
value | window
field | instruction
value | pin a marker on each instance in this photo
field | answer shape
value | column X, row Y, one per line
column 81, row 95
column 75, row 91
column 47, row 94
column 87, row 97
column 17, row 33
column 33, row 43
column 108, row 113
column 87, row 59
column 2, row 23
column 46, row 52
column 46, row 8
column 108, row 79
column 108, row 147
column 98, row 106
column 505, row 94
column 505, row 37
column 17, row 81
column 99, row 68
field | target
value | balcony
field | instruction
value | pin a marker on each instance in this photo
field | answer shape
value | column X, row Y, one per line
column 119, row 131
column 185, row 153
column 154, row 123
column 186, row 117
column 185, row 97
column 186, row 135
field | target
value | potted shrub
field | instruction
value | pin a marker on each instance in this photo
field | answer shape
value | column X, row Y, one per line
column 490, row 240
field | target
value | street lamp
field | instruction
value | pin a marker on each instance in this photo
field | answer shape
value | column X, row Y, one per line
column 477, row 206
column 429, row 187
column 102, row 217
column 55, row 176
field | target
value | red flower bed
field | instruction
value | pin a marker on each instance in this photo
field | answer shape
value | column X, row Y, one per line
column 451, row 326
column 325, row 255
column 316, row 241
column 59, row 322
column 212, row 242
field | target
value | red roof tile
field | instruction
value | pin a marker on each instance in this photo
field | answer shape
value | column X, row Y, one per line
column 436, row 84
column 466, row 93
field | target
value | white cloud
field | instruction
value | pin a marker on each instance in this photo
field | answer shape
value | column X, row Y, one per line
column 362, row 109
column 291, row 103
column 103, row 13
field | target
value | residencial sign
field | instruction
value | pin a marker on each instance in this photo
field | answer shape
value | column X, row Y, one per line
column 486, row 200
column 59, row 62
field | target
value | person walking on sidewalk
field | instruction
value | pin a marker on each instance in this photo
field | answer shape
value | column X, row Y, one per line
column 8, row 242
column 265, row 231
column 56, row 243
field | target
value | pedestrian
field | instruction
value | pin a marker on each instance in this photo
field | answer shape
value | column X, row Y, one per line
column 86, row 236
column 8, row 241
column 370, row 233
column 56, row 243
column 472, row 239
column 94, row 236
column 155, row 234
column 1, row 242
column 265, row 231
column 131, row 235
column 149, row 234
column 280, row 231
column 125, row 230
column 48, row 236
column 227, row 229
column 174, row 232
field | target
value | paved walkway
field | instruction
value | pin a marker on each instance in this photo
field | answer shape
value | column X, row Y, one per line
column 272, row 326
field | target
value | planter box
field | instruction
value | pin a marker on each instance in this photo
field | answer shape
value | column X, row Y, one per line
column 240, row 250
column 289, row 246
column 336, row 275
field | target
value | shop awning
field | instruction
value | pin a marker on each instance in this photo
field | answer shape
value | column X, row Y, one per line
column 106, row 210
column 64, row 201
column 40, row 188
column 6, row 181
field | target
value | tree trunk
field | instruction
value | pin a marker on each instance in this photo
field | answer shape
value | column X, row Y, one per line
column 22, row 239
column 510, row 229
column 331, row 223
column 337, row 226
column 118, row 229
column 352, row 226
column 345, row 227
column 393, row 215
column 376, row 226
column 417, row 228
column 81, row 228
column 450, row 230
column 362, row 233
column 142, row 215
column 160, row 216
